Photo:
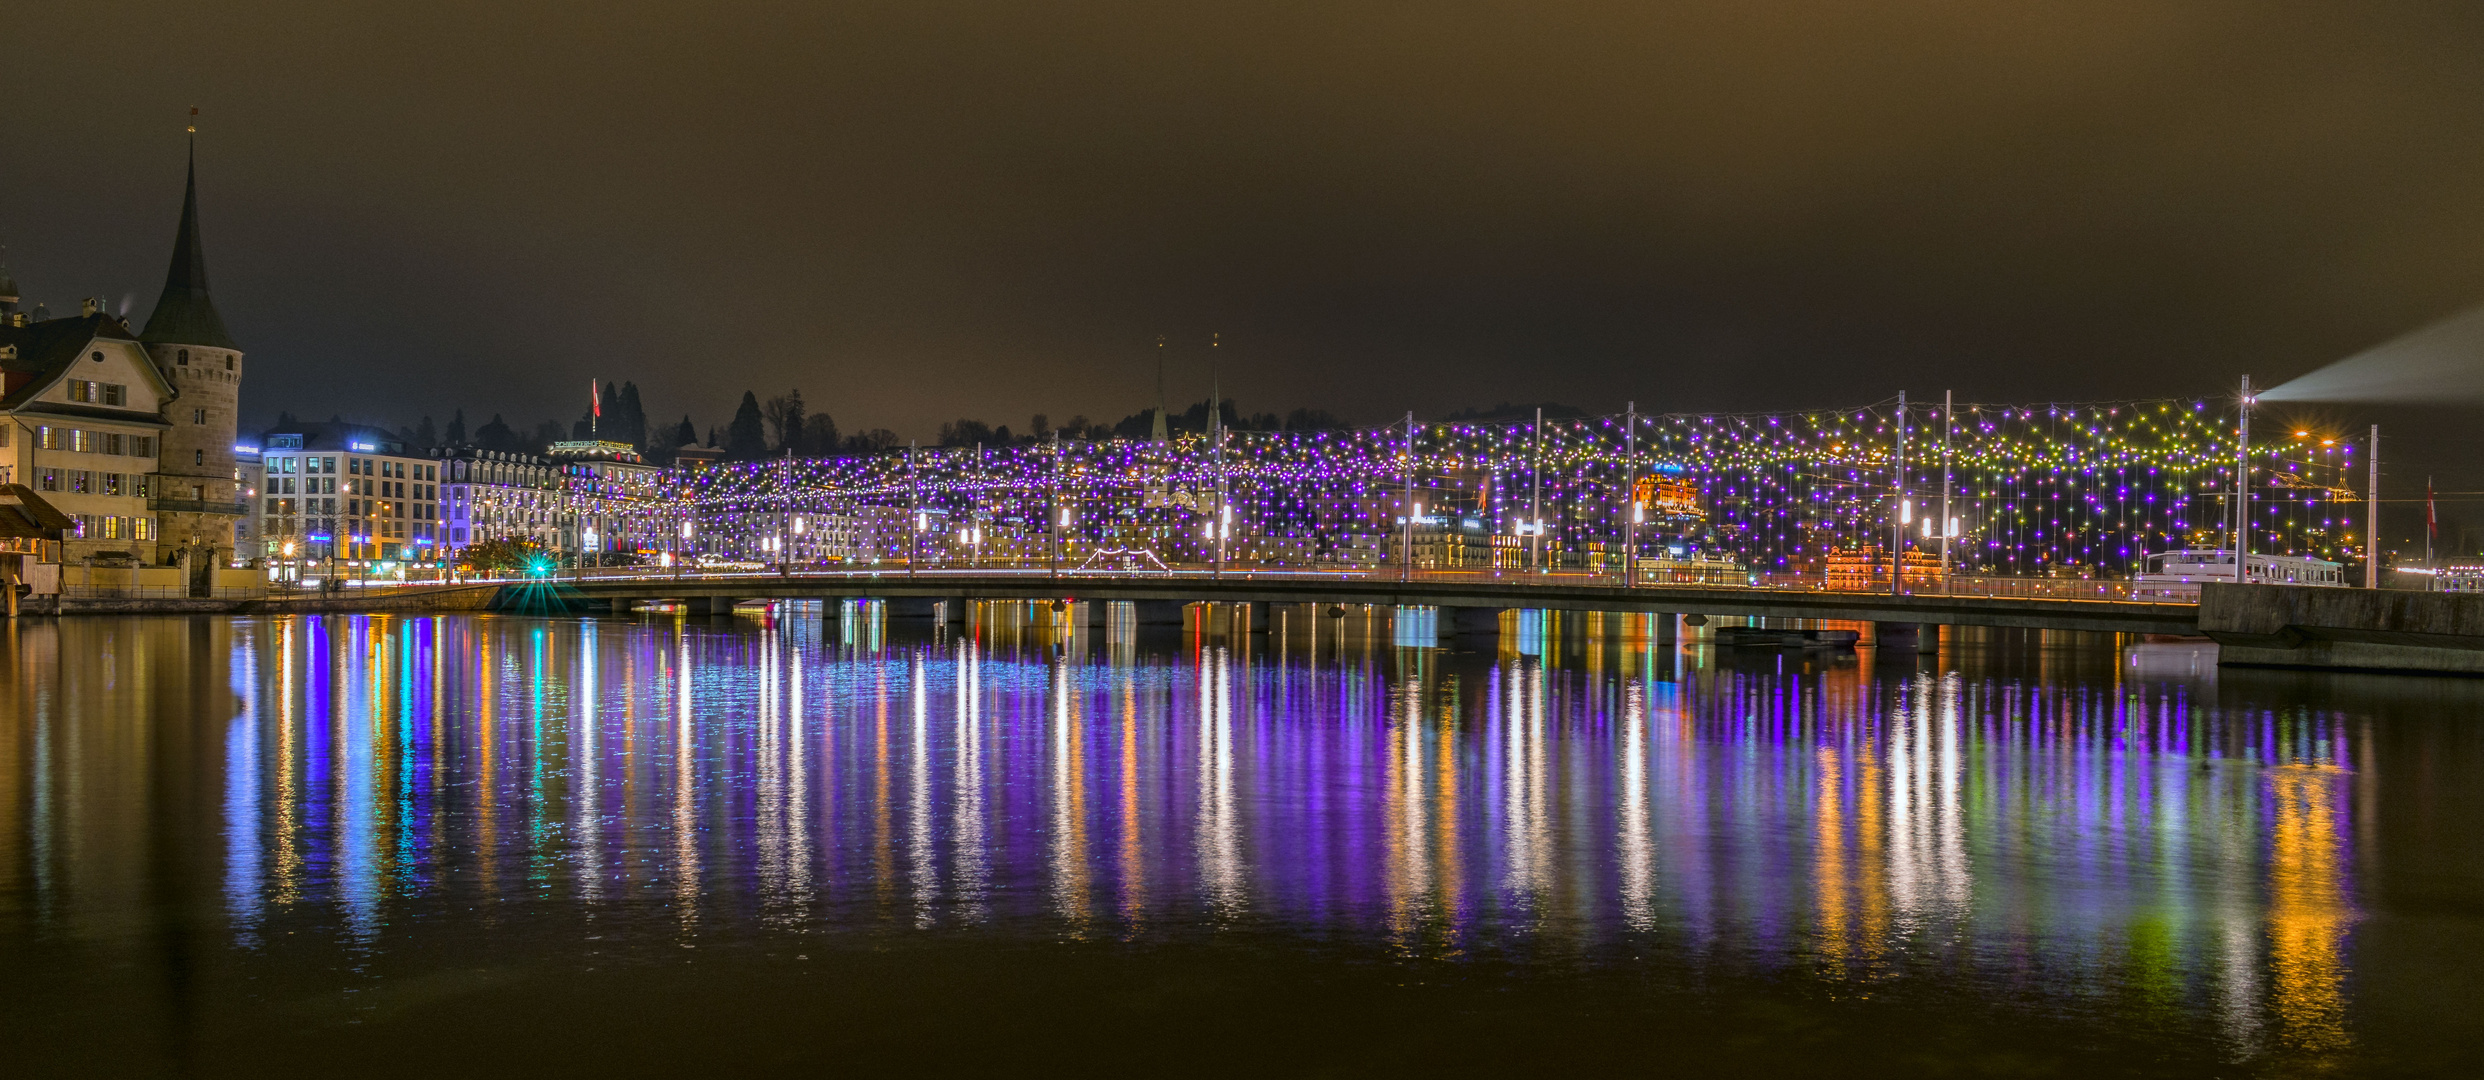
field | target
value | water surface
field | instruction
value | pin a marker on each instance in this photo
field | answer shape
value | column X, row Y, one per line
column 486, row 845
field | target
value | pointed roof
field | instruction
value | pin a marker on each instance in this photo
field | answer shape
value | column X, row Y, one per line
column 185, row 315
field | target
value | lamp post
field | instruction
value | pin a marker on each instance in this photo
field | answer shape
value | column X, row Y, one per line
column 1535, row 504
column 2242, row 491
column 1406, row 507
column 1630, row 485
column 2371, row 519
column 1905, row 509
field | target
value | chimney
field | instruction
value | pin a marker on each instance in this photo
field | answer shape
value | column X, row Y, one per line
column 90, row 306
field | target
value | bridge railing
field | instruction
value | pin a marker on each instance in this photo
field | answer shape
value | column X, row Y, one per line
column 1670, row 578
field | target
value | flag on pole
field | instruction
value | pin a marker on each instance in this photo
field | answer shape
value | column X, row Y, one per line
column 2432, row 521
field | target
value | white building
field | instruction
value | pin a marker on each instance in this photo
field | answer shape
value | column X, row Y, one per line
column 344, row 499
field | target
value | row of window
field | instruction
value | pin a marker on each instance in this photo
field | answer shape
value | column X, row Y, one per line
column 82, row 441
column 85, row 482
column 98, row 393
column 111, row 527
column 354, row 466
column 301, row 485
column 182, row 359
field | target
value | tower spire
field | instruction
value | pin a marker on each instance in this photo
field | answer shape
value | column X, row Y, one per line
column 184, row 314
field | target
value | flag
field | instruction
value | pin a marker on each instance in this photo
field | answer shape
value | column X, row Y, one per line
column 595, row 398
column 2432, row 520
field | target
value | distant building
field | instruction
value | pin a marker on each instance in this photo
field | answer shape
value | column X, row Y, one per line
column 344, row 498
column 612, row 498
column 83, row 407
column 130, row 435
column 497, row 495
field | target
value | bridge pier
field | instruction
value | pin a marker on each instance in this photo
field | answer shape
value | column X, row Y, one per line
column 1472, row 623
column 831, row 610
column 957, row 610
column 621, row 607
column 1158, row 612
column 1906, row 635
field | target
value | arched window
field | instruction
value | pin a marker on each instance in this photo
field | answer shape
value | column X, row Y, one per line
column 182, row 358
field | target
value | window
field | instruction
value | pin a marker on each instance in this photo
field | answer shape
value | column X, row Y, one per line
column 112, row 528
column 81, row 441
column 142, row 445
column 182, row 358
column 284, row 442
column 47, row 437
column 142, row 528
column 81, row 482
column 111, row 483
column 112, row 442
column 4, row 434
column 115, row 394
column 138, row 484
column 228, row 363
column 47, row 480
column 327, row 464
column 81, row 390
column 198, row 457
column 96, row 356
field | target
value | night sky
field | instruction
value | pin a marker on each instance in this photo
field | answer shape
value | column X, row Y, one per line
column 916, row 211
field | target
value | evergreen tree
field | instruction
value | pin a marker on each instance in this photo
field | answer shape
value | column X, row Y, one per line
column 746, row 439
column 786, row 417
column 497, row 435
column 456, row 434
column 632, row 428
column 820, row 437
column 687, row 434
column 425, row 435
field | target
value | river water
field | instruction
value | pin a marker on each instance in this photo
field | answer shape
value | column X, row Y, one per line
column 477, row 845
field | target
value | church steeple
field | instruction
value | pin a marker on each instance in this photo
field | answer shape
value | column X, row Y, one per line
column 185, row 315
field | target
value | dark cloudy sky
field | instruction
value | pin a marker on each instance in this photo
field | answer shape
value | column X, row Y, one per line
column 922, row 210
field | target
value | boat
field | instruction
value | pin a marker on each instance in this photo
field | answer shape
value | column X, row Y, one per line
column 2176, row 575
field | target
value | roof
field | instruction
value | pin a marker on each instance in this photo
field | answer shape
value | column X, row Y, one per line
column 334, row 438
column 185, row 315
column 43, row 349
column 24, row 513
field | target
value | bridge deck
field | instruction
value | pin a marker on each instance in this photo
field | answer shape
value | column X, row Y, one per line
column 2123, row 616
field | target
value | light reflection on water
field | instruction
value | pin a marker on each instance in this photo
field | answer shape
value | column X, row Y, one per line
column 2090, row 842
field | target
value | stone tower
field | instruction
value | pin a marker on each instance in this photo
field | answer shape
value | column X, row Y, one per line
column 196, row 499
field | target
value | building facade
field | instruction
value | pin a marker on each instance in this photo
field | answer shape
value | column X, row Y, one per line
column 196, row 495
column 345, row 500
column 81, row 424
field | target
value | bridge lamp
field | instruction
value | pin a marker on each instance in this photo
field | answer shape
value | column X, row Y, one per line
column 1638, row 513
column 1906, row 512
column 922, row 522
column 800, row 524
column 685, row 530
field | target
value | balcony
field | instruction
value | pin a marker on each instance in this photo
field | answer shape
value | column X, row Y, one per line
column 194, row 506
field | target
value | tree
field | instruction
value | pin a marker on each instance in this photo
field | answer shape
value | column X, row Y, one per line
column 1039, row 426
column 965, row 433
column 687, row 434
column 546, row 434
column 820, row 437
column 870, row 442
column 497, row 435
column 786, row 418
column 632, row 428
column 426, row 435
column 746, row 439
column 504, row 555
column 456, row 434
column 1307, row 419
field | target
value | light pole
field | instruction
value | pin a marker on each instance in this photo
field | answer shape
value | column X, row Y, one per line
column 1905, row 510
column 1949, row 525
column 914, row 507
column 1406, row 507
column 1535, row 505
column 1630, row 484
column 2371, row 519
column 2242, row 491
